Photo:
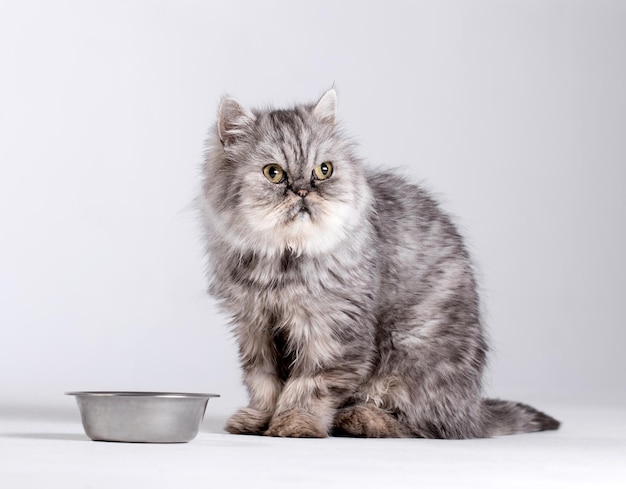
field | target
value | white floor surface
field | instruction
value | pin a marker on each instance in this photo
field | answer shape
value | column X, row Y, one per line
column 49, row 449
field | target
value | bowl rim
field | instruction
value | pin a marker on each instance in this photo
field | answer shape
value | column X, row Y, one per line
column 142, row 394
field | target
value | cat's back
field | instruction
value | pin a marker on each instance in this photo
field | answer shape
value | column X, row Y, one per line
column 419, row 245
column 409, row 215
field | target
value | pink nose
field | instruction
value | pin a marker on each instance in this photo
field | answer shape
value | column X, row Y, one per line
column 302, row 192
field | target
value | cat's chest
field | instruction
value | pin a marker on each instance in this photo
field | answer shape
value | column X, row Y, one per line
column 315, row 305
column 301, row 281
column 278, row 279
column 290, row 298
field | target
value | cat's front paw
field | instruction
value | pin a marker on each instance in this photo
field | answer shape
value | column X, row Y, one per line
column 248, row 421
column 296, row 423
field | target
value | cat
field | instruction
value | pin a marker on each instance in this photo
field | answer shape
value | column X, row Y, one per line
column 352, row 295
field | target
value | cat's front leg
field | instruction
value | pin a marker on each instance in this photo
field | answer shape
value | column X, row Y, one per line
column 294, row 414
column 261, row 380
column 297, row 423
column 307, row 405
column 263, row 388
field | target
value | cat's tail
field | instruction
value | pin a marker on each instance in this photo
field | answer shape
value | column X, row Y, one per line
column 509, row 418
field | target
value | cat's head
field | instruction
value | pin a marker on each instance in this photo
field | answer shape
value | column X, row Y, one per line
column 278, row 180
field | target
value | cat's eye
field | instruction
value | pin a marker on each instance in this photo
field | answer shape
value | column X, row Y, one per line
column 274, row 173
column 323, row 171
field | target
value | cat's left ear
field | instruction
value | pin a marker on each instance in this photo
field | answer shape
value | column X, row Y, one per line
column 326, row 108
column 232, row 119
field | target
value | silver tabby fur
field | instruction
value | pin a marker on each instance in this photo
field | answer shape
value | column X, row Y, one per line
column 353, row 298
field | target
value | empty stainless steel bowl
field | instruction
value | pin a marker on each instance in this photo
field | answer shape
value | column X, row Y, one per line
column 141, row 417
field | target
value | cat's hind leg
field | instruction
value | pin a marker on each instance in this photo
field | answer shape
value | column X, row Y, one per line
column 373, row 413
column 369, row 421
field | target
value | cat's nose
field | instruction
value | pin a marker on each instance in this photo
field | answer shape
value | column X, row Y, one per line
column 300, row 187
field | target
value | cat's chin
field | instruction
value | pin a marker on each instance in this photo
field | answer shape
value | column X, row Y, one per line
column 298, row 216
column 303, row 235
column 315, row 230
column 298, row 211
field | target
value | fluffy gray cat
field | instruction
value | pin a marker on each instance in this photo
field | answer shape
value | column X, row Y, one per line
column 352, row 295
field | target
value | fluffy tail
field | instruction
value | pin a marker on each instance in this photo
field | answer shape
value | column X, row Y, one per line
column 509, row 418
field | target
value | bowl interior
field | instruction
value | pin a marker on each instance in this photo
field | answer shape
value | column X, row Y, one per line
column 141, row 394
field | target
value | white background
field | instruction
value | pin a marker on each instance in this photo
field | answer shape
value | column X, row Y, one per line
column 514, row 112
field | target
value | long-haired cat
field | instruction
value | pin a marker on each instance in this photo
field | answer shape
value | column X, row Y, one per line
column 352, row 295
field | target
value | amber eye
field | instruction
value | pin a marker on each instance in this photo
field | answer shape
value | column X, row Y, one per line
column 323, row 171
column 274, row 173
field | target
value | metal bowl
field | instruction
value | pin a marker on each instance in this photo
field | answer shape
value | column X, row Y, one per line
column 141, row 417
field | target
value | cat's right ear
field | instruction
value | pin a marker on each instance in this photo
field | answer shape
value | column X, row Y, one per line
column 232, row 119
column 326, row 108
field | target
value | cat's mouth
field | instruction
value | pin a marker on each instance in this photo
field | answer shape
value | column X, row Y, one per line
column 300, row 210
